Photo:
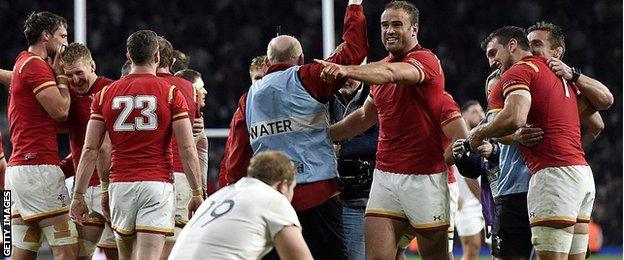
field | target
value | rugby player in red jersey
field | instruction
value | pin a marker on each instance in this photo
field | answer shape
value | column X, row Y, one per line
column 410, row 181
column 39, row 98
column 182, row 188
column 140, row 112
column 84, row 83
column 561, row 190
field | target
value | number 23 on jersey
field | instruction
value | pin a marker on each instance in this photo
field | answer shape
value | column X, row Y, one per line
column 148, row 121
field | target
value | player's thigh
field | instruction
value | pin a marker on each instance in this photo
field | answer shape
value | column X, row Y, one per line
column 383, row 197
column 123, row 200
column 156, row 208
column 425, row 200
column 382, row 235
column 555, row 196
column 107, row 239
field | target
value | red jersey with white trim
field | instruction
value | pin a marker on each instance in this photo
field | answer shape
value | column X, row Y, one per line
column 553, row 109
column 188, row 91
column 410, row 134
column 138, row 111
column 33, row 132
column 79, row 114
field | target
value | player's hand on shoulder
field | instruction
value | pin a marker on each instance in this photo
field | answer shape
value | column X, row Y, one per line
column 193, row 205
column 560, row 68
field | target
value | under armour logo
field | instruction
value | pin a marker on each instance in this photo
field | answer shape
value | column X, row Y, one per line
column 437, row 218
column 532, row 214
column 61, row 198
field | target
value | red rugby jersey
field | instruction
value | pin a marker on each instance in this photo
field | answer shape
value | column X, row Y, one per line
column 553, row 109
column 138, row 111
column 410, row 134
column 188, row 91
column 79, row 114
column 33, row 132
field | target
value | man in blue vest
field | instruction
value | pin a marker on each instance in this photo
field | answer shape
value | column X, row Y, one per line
column 287, row 111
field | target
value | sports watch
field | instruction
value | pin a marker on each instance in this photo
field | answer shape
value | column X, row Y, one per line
column 576, row 73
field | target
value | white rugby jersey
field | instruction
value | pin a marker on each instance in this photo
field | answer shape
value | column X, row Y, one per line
column 239, row 221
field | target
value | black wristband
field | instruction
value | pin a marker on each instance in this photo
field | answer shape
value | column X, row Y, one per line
column 576, row 73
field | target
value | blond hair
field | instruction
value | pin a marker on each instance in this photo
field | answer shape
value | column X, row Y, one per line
column 271, row 167
column 75, row 52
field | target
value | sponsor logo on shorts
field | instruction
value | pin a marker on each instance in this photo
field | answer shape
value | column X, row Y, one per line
column 437, row 218
column 6, row 223
column 532, row 215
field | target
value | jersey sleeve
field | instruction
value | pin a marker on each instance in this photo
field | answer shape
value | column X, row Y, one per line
column 96, row 105
column 518, row 77
column 450, row 109
column 280, row 214
column 37, row 74
column 426, row 63
column 495, row 98
column 177, row 103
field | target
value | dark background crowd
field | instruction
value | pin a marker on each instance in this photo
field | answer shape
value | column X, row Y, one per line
column 222, row 36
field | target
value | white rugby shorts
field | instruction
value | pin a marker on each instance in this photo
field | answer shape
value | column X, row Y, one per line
column 37, row 191
column 143, row 206
column 561, row 195
column 421, row 200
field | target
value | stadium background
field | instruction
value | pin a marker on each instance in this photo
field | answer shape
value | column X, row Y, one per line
column 222, row 36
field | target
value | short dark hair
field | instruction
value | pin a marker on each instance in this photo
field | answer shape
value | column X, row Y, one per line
column 166, row 52
column 141, row 46
column 505, row 34
column 189, row 74
column 181, row 61
column 406, row 6
column 468, row 104
column 36, row 23
column 556, row 37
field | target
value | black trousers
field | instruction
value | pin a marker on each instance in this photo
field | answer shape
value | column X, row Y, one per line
column 322, row 231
